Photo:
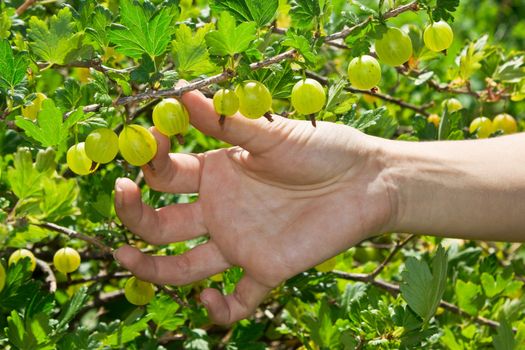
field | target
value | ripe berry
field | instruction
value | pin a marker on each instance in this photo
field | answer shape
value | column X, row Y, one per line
column 255, row 99
column 506, row 123
column 102, row 145
column 138, row 292
column 66, row 260
column 364, row 72
column 78, row 161
column 452, row 104
column 170, row 117
column 23, row 253
column 31, row 110
column 438, row 36
column 225, row 102
column 394, row 48
column 2, row 277
column 482, row 126
column 137, row 145
column 308, row 96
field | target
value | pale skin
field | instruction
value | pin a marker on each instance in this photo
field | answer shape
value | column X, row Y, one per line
column 289, row 196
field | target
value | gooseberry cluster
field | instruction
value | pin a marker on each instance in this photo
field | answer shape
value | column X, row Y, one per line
column 66, row 260
column 395, row 48
column 253, row 99
column 483, row 127
column 136, row 144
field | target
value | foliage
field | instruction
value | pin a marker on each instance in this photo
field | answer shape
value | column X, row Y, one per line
column 102, row 63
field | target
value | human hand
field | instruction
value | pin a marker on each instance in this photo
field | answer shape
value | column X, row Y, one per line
column 286, row 198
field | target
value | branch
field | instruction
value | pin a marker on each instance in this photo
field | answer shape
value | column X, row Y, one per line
column 228, row 74
column 394, row 289
column 97, row 278
column 394, row 251
column 22, row 8
column 51, row 279
column 73, row 234
column 397, row 101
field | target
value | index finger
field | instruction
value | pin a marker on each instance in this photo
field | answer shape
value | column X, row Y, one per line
column 254, row 135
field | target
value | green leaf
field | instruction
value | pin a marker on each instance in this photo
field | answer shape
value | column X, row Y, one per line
column 229, row 38
column 262, row 12
column 304, row 12
column 191, row 53
column 511, row 71
column 471, row 56
column 162, row 311
column 58, row 198
column 70, row 310
column 302, row 45
column 368, row 118
column 444, row 10
column 504, row 339
column 5, row 22
column 141, row 31
column 340, row 101
column 23, row 177
column 69, row 96
column 467, row 294
column 12, row 67
column 53, row 43
column 49, row 131
column 422, row 289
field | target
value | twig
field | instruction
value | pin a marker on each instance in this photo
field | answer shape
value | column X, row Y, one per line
column 228, row 74
column 397, row 101
column 175, row 296
column 98, row 278
column 394, row 251
column 394, row 289
column 22, row 8
column 51, row 279
column 73, row 234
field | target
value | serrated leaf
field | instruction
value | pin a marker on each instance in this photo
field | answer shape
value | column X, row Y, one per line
column 162, row 311
column 49, row 131
column 69, row 96
column 70, row 310
column 302, row 45
column 423, row 289
column 467, row 294
column 471, row 56
column 229, row 38
column 262, row 12
column 190, row 52
column 511, row 71
column 304, row 12
column 12, row 67
column 368, row 118
column 55, row 41
column 444, row 10
column 141, row 31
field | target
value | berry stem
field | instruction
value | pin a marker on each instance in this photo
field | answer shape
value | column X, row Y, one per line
column 268, row 116
column 180, row 139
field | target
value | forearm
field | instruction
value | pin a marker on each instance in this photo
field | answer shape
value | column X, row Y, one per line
column 464, row 189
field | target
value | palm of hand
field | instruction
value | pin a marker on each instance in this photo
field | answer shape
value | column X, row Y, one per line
column 298, row 196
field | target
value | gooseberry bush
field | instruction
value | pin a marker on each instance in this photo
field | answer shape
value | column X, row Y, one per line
column 82, row 81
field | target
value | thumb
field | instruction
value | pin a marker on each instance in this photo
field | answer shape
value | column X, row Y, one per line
column 254, row 135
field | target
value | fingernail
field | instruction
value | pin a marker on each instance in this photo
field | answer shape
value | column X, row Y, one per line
column 118, row 192
column 205, row 303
